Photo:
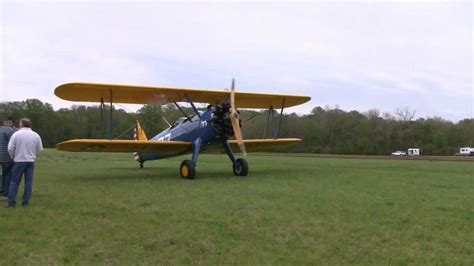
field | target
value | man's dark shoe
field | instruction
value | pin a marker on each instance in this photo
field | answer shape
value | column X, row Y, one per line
column 24, row 205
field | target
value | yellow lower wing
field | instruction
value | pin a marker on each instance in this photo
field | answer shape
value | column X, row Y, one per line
column 165, row 148
column 257, row 145
column 169, row 148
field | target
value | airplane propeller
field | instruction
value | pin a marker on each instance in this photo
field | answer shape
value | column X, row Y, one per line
column 235, row 120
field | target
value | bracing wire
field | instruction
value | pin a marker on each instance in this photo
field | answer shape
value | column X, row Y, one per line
column 125, row 132
column 136, row 116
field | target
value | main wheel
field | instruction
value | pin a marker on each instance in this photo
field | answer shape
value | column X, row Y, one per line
column 187, row 169
column 241, row 167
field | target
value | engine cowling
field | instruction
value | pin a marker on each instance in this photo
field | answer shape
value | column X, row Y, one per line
column 221, row 121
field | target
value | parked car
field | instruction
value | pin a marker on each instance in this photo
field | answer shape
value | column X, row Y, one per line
column 399, row 153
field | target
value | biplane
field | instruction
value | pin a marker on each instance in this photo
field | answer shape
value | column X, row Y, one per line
column 208, row 131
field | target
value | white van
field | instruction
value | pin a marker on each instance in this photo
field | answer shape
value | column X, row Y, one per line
column 413, row 152
column 466, row 151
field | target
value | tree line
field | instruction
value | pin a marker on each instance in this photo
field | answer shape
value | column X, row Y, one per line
column 324, row 130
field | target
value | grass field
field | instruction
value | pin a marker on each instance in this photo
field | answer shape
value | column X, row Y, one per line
column 102, row 209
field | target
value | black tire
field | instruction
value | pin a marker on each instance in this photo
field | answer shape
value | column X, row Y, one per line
column 187, row 169
column 241, row 167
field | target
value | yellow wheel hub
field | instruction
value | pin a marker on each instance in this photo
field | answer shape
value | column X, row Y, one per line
column 184, row 170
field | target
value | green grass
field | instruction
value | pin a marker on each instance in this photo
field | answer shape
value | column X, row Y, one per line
column 102, row 209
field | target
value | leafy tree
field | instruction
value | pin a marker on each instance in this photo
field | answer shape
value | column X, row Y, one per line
column 323, row 130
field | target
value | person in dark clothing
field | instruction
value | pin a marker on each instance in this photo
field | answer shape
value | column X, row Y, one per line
column 6, row 131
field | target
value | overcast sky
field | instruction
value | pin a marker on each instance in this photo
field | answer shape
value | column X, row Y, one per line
column 359, row 55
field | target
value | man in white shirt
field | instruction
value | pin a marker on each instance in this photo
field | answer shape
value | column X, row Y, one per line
column 24, row 147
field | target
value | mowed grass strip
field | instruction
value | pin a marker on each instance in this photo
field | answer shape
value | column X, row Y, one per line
column 101, row 209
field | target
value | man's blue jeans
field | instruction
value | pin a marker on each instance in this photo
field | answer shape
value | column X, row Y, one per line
column 19, row 169
column 6, row 176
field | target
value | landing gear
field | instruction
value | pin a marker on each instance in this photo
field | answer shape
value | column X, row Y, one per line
column 241, row 167
column 187, row 169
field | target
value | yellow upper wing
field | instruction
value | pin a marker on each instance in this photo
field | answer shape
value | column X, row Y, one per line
column 164, row 148
column 90, row 92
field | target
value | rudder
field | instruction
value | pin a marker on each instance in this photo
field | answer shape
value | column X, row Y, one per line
column 138, row 134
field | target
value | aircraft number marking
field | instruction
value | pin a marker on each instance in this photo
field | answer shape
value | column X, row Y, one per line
column 166, row 137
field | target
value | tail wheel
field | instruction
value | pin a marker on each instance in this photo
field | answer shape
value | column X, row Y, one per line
column 187, row 169
column 241, row 167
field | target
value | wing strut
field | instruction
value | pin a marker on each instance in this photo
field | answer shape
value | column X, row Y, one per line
column 270, row 111
column 101, row 117
column 111, row 116
column 192, row 104
column 182, row 111
column 277, row 131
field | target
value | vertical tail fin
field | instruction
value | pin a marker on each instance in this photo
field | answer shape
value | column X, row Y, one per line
column 138, row 134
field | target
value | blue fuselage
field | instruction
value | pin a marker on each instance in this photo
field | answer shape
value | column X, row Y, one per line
column 188, row 130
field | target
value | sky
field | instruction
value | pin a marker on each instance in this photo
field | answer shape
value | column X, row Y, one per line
column 359, row 55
